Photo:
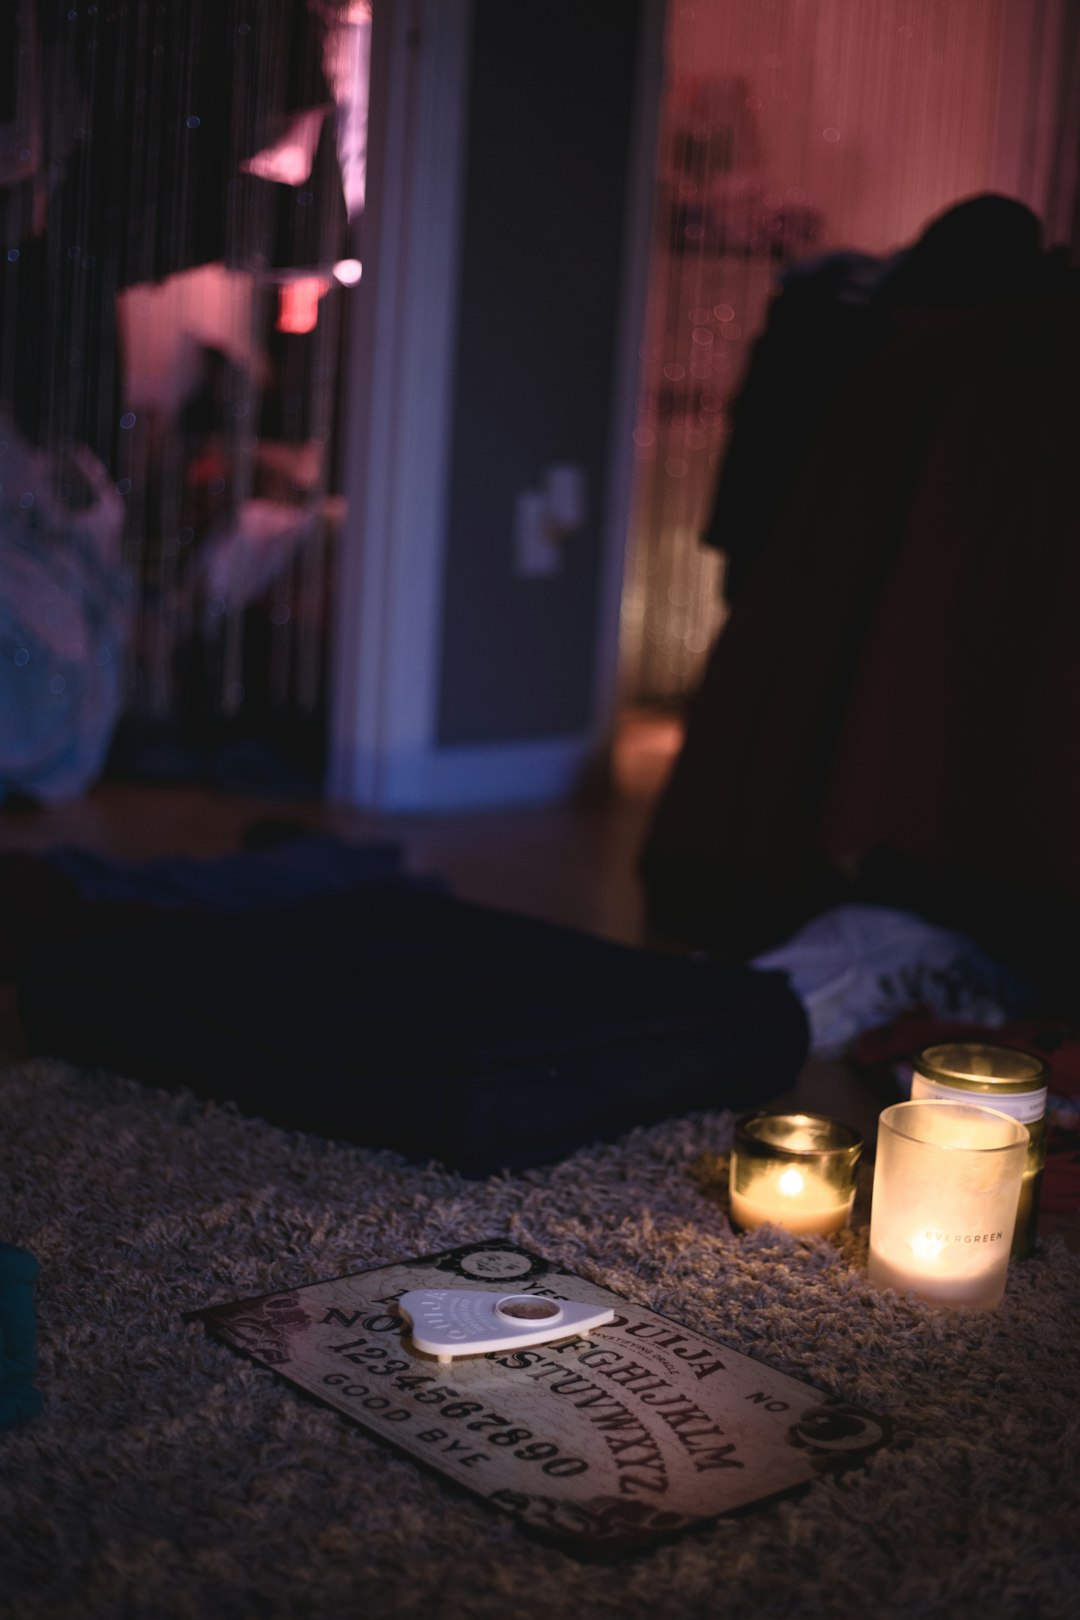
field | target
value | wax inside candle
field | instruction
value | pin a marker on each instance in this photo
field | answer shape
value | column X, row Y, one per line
column 790, row 1197
column 941, row 1269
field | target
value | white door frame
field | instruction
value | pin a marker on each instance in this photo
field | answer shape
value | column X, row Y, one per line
column 384, row 753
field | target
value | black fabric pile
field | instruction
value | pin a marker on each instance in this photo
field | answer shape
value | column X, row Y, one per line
column 395, row 1015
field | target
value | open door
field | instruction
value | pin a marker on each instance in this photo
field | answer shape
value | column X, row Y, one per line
column 493, row 370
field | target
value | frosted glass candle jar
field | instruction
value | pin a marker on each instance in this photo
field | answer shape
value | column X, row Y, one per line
column 793, row 1170
column 946, row 1187
column 998, row 1077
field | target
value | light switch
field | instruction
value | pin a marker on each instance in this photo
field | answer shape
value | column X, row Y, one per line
column 545, row 518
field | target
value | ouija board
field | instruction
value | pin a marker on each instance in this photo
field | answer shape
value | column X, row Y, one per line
column 604, row 1443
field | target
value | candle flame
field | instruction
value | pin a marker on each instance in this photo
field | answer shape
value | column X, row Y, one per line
column 791, row 1183
column 927, row 1245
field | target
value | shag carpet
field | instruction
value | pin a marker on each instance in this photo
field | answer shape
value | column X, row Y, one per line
column 167, row 1476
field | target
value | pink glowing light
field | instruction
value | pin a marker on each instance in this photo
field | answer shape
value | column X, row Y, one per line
column 298, row 309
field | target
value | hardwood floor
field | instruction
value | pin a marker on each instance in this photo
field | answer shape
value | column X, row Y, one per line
column 572, row 864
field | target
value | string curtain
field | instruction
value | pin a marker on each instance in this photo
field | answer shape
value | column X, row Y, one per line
column 788, row 129
column 177, row 184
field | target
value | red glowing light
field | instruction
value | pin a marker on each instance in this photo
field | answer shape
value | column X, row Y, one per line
column 298, row 309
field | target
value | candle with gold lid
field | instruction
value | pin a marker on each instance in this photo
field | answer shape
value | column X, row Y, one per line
column 793, row 1170
column 1002, row 1077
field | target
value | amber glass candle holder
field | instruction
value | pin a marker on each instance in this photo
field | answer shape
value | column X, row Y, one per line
column 1004, row 1078
column 795, row 1171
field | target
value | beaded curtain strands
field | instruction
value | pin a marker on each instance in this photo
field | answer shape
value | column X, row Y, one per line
column 148, row 259
column 791, row 128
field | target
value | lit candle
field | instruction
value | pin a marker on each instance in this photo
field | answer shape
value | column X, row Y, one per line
column 793, row 1170
column 789, row 1198
column 946, row 1186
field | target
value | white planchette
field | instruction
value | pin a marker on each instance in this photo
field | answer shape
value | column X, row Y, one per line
column 449, row 1322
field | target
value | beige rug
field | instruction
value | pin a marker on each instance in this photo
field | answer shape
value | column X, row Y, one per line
column 169, row 1477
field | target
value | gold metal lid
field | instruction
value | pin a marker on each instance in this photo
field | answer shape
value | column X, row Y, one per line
column 980, row 1066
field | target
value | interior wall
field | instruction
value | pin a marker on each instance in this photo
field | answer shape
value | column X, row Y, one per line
column 880, row 114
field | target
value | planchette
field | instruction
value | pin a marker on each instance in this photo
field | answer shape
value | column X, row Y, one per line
column 449, row 1322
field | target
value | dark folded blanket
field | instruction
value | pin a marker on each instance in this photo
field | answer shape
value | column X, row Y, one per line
column 399, row 1017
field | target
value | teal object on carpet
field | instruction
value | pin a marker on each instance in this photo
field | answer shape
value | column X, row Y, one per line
column 19, row 1400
